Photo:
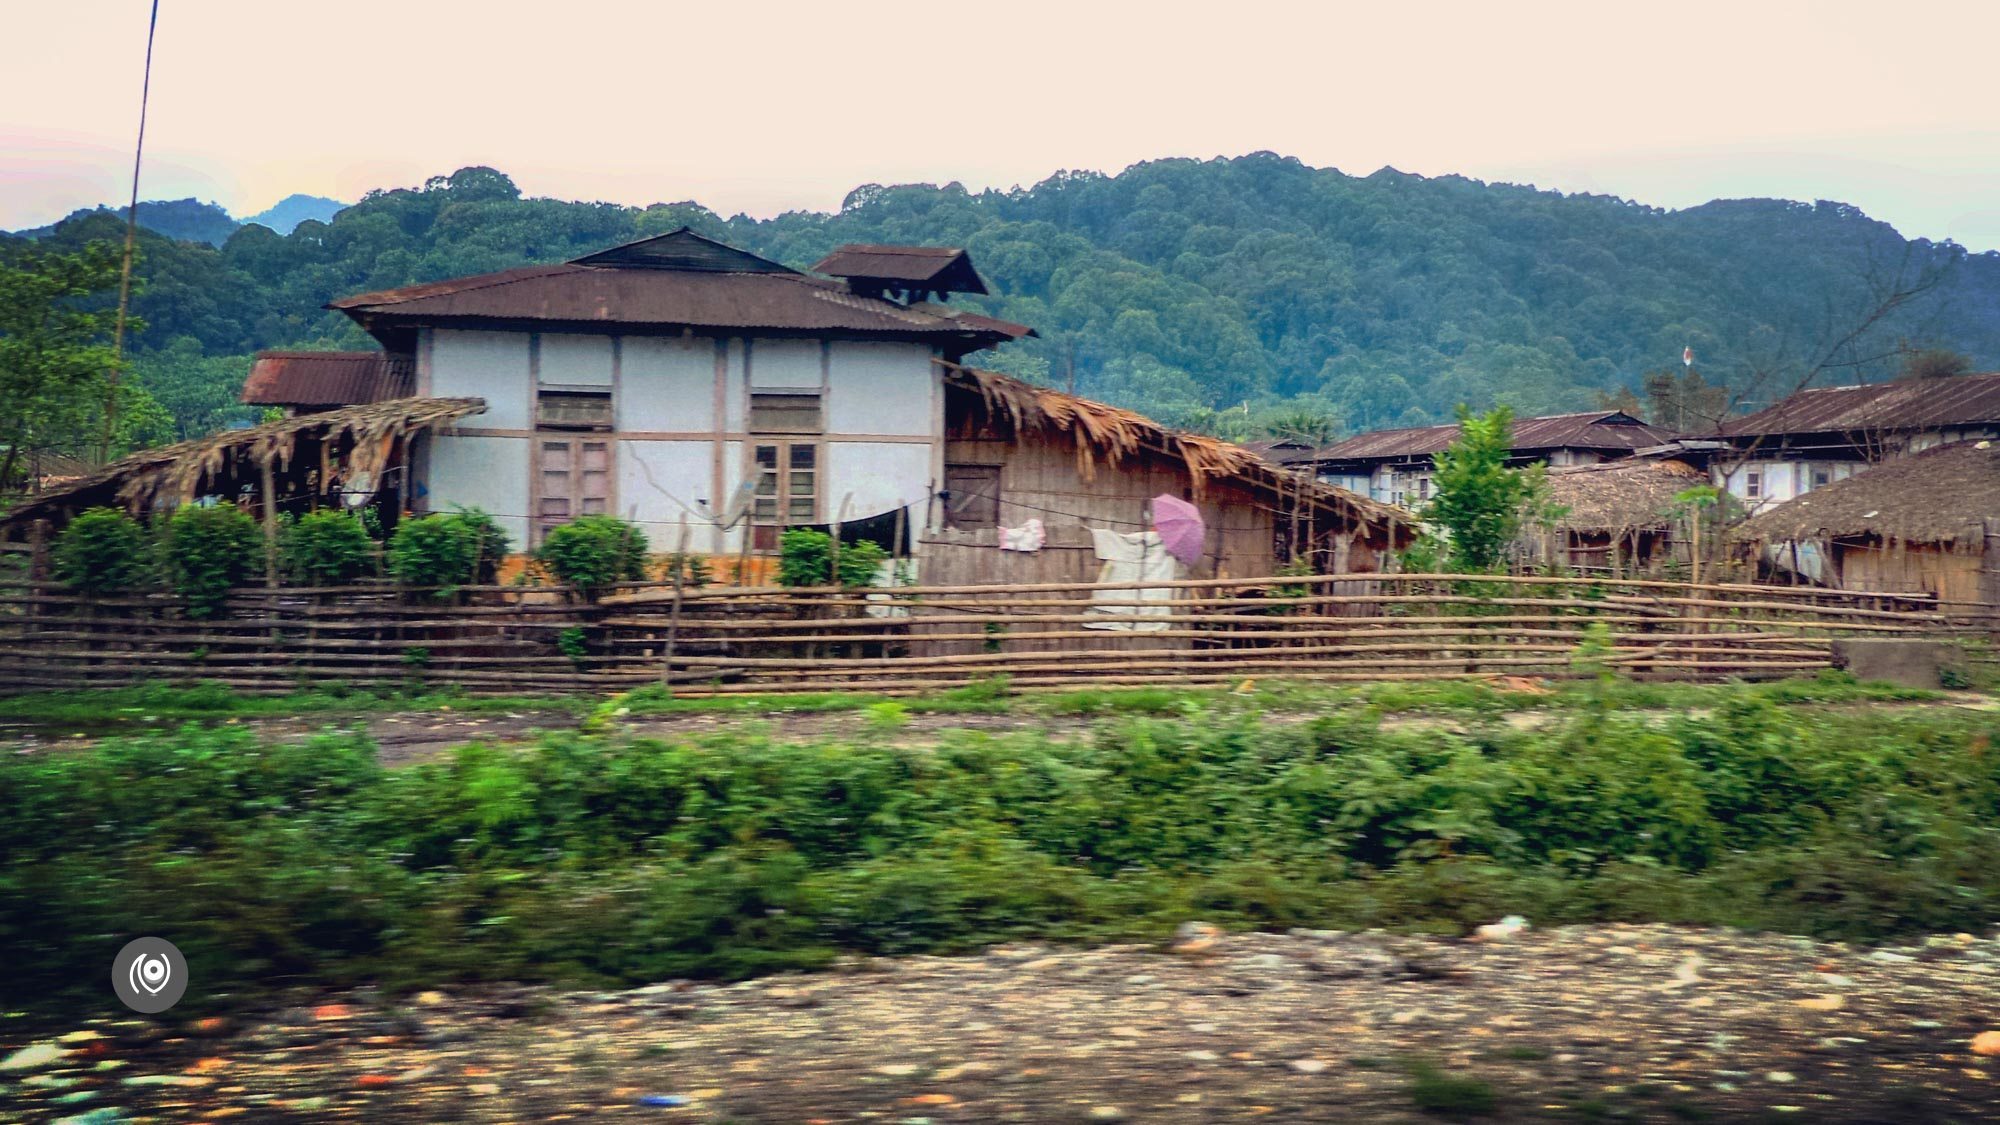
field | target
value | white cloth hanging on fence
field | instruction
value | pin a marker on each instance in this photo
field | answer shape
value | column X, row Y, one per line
column 1138, row 558
column 1028, row 537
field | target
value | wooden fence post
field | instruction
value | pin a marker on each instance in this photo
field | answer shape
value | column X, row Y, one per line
column 674, row 614
column 270, row 488
column 1989, row 575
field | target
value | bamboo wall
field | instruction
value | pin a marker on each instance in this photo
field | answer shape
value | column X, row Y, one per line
column 505, row 640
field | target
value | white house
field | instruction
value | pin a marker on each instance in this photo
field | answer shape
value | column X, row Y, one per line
column 670, row 380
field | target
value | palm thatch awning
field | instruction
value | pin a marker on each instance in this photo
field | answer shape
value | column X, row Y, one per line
column 1108, row 434
column 1631, row 495
column 177, row 474
column 1941, row 495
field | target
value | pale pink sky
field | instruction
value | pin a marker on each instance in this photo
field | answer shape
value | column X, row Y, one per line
column 765, row 107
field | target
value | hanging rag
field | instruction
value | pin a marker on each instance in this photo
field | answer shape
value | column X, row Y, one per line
column 1138, row 558
column 1028, row 537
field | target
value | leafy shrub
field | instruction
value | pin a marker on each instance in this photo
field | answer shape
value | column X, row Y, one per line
column 573, row 643
column 490, row 543
column 611, row 859
column 102, row 551
column 592, row 553
column 693, row 570
column 205, row 551
column 805, row 558
column 325, row 548
column 447, row 549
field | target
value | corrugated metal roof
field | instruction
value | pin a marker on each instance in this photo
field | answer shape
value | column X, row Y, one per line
column 683, row 249
column 1907, row 404
column 1939, row 495
column 326, row 378
column 944, row 268
column 577, row 294
column 1591, row 429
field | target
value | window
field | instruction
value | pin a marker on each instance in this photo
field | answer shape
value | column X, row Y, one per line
column 785, row 414
column 787, row 489
column 1753, row 484
column 573, row 410
column 1822, row 477
column 972, row 496
column 575, row 480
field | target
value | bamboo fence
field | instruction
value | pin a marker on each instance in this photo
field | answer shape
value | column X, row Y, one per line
column 723, row 640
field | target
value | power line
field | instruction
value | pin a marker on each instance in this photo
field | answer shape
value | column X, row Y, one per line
column 131, row 243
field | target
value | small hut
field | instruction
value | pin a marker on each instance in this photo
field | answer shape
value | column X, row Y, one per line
column 1912, row 525
column 1015, row 452
column 1616, row 517
column 353, row 457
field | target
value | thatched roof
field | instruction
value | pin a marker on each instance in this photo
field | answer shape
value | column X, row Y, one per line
column 1627, row 495
column 1108, row 434
column 1938, row 496
column 177, row 474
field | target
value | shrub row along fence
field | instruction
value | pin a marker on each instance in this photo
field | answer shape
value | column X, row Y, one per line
column 717, row 640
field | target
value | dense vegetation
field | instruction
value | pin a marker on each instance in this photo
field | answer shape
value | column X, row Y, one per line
column 1181, row 287
column 608, row 858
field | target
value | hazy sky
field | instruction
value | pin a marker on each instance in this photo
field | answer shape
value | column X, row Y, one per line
column 765, row 107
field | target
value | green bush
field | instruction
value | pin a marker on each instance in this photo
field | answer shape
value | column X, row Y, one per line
column 325, row 548
column 805, row 559
column 102, row 551
column 610, row 859
column 592, row 553
column 490, row 543
column 447, row 549
column 207, row 550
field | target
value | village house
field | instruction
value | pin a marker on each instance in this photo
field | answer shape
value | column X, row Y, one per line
column 1915, row 524
column 1621, row 518
column 718, row 398
column 1819, row 436
column 1395, row 466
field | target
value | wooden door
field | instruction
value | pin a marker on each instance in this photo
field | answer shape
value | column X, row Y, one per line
column 575, row 480
column 787, row 495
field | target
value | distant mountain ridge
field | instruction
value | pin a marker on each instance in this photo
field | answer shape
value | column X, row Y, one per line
column 191, row 220
column 1189, row 288
column 285, row 215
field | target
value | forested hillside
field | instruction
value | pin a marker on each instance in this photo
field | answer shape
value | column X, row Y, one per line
column 1180, row 287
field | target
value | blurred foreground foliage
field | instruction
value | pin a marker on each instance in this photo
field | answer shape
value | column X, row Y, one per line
column 623, row 860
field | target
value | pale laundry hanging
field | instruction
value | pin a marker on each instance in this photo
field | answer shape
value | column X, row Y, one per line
column 1141, row 559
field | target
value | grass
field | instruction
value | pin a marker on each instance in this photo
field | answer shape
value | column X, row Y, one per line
column 168, row 703
column 1449, row 1095
column 171, row 703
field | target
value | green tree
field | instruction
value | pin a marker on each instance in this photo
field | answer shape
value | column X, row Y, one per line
column 1480, row 502
column 1934, row 363
column 54, row 354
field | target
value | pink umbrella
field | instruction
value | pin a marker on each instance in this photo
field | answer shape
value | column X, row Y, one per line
column 1181, row 531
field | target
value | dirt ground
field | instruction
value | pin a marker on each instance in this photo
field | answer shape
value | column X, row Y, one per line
column 1642, row 1023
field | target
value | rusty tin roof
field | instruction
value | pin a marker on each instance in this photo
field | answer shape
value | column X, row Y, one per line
column 1906, row 404
column 279, row 378
column 1590, row 429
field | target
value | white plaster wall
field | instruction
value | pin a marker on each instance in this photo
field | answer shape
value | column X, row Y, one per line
column 879, row 388
column 880, row 475
column 488, row 365
column 658, row 481
column 785, row 364
column 575, row 361
column 1780, row 482
column 732, row 478
column 736, row 396
column 482, row 472
column 667, row 384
